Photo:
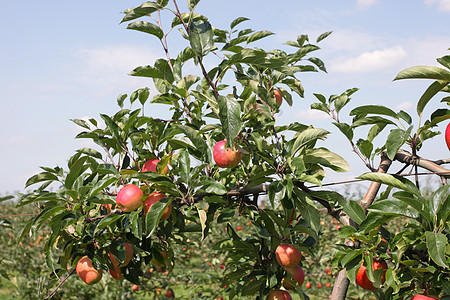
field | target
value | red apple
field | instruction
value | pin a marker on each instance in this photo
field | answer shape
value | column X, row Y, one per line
column 226, row 157
column 363, row 281
column 128, row 256
column 152, row 199
column 135, row 287
column 319, row 285
column 279, row 295
column 297, row 274
column 287, row 255
column 169, row 293
column 152, row 166
column 447, row 136
column 87, row 272
column 239, row 228
column 328, row 284
column 422, row 297
column 308, row 285
column 129, row 198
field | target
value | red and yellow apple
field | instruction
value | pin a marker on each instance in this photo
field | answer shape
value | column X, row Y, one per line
column 297, row 274
column 226, row 157
column 361, row 277
column 152, row 199
column 279, row 295
column 129, row 198
column 87, row 272
column 152, row 166
column 288, row 256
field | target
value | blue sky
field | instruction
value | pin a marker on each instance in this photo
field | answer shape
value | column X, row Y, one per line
column 70, row 59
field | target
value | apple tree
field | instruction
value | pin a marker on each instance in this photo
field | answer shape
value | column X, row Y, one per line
column 222, row 154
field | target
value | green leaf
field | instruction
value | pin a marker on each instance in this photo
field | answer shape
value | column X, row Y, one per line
column 147, row 28
column 184, row 164
column 306, row 136
column 230, row 117
column 327, row 159
column 432, row 90
column 392, row 180
column 355, row 211
column 394, row 141
column 201, row 37
column 154, row 215
column 197, row 139
column 258, row 35
column 192, row 4
column 113, row 127
column 76, row 169
column 308, row 209
column 436, row 243
column 237, row 21
column 81, row 123
column 346, row 129
column 44, row 176
column 146, row 71
column 426, row 72
column 145, row 9
column 394, row 207
column 373, row 109
column 323, row 36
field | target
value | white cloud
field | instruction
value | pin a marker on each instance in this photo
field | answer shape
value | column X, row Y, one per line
column 311, row 114
column 369, row 61
column 442, row 4
column 406, row 106
column 107, row 67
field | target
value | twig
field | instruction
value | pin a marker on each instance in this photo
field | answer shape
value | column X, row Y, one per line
column 59, row 285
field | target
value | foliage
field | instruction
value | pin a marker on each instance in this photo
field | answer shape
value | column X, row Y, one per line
column 234, row 100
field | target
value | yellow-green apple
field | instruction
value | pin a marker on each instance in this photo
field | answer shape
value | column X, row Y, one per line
column 226, row 157
column 287, row 255
column 152, row 166
column 361, row 277
column 279, row 295
column 87, row 272
column 129, row 198
column 152, row 199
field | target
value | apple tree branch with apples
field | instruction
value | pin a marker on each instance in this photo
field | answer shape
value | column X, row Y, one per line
column 116, row 212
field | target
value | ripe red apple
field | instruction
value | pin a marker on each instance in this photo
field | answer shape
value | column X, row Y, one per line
column 297, row 274
column 279, row 295
column 128, row 256
column 328, row 284
column 447, row 136
column 308, row 285
column 129, row 198
column 319, row 285
column 328, row 271
column 287, row 255
column 363, row 281
column 239, row 228
column 152, row 199
column 226, row 157
column 152, row 166
column 278, row 97
column 422, row 297
column 135, row 287
column 169, row 293
column 87, row 272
